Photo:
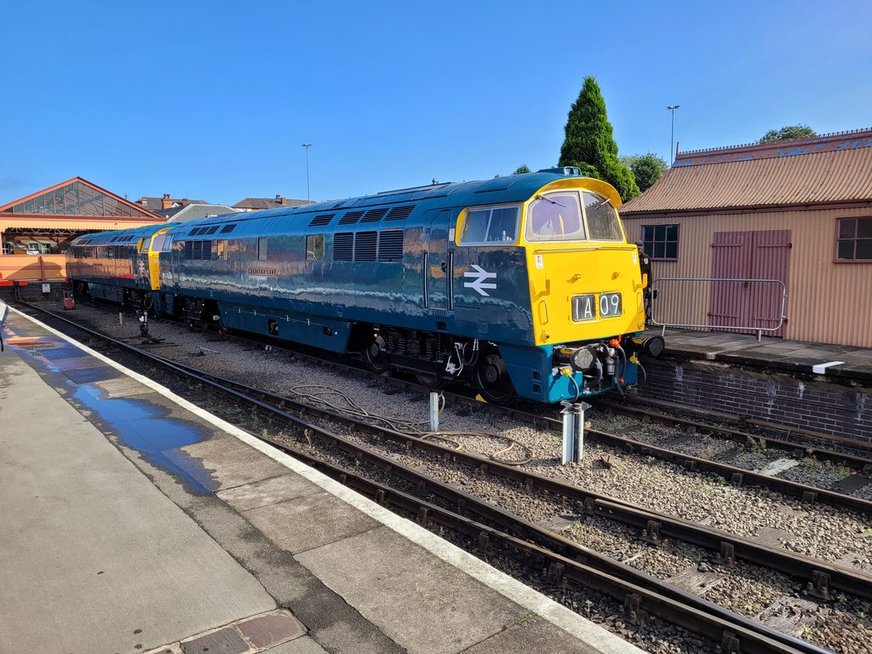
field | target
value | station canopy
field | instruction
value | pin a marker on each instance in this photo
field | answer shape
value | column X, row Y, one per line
column 72, row 207
column 76, row 198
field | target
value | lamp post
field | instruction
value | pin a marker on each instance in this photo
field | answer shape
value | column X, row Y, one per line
column 672, row 108
column 307, row 146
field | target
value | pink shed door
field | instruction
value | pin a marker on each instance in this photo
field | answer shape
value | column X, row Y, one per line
column 748, row 255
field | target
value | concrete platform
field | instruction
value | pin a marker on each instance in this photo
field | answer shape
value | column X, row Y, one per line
column 820, row 390
column 844, row 363
column 135, row 522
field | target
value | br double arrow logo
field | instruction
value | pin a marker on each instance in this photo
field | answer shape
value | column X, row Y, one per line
column 478, row 284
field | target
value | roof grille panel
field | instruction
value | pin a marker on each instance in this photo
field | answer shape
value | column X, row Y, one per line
column 400, row 213
column 374, row 215
column 228, row 228
column 321, row 220
column 390, row 245
column 343, row 247
column 350, row 218
column 365, row 246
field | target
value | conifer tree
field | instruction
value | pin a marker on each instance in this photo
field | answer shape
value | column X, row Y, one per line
column 589, row 143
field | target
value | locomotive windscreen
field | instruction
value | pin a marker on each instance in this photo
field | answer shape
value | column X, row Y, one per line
column 561, row 216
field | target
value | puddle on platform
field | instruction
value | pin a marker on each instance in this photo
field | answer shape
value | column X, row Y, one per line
column 138, row 424
column 145, row 427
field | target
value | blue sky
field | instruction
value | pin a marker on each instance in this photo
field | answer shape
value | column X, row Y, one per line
column 213, row 99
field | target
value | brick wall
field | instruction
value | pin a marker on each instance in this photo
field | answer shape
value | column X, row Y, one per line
column 810, row 404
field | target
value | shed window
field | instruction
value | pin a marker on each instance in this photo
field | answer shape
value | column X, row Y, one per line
column 660, row 241
column 315, row 247
column 855, row 239
column 493, row 226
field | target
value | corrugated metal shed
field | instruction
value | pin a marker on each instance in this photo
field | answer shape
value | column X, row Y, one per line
column 764, row 176
column 802, row 188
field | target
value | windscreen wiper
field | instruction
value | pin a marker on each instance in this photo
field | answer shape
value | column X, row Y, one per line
column 542, row 197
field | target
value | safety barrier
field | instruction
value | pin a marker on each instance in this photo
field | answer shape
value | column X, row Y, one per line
column 736, row 305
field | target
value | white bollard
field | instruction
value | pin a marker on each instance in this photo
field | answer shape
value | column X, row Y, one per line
column 434, row 412
column 573, row 431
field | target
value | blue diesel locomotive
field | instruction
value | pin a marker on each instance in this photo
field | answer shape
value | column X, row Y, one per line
column 520, row 286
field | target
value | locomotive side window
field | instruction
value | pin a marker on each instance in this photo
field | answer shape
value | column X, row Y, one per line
column 261, row 249
column 555, row 217
column 221, row 250
column 315, row 247
column 199, row 250
column 602, row 219
column 494, row 225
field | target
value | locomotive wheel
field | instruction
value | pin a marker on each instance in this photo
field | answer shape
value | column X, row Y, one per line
column 372, row 354
column 492, row 379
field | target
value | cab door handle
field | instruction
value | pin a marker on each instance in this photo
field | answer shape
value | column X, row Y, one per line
column 444, row 266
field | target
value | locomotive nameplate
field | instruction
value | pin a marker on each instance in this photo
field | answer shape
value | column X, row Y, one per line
column 588, row 307
column 263, row 271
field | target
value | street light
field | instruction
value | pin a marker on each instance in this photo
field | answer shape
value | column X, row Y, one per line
column 672, row 108
column 307, row 146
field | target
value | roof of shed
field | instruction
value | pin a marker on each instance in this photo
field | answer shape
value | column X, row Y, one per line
column 268, row 203
column 156, row 204
column 197, row 211
column 816, row 170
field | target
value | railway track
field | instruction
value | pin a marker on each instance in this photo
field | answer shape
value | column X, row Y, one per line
column 736, row 475
column 566, row 562
column 793, row 442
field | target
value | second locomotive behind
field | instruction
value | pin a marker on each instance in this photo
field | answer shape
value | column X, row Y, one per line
column 521, row 285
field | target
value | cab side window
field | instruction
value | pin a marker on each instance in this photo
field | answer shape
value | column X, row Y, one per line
column 475, row 228
column 492, row 226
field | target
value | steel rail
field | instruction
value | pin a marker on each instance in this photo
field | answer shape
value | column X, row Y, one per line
column 670, row 603
column 565, row 561
column 737, row 476
column 798, row 450
column 657, row 526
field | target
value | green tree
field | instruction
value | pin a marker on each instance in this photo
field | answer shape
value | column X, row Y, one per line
column 520, row 170
column 589, row 143
column 646, row 168
column 787, row 133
